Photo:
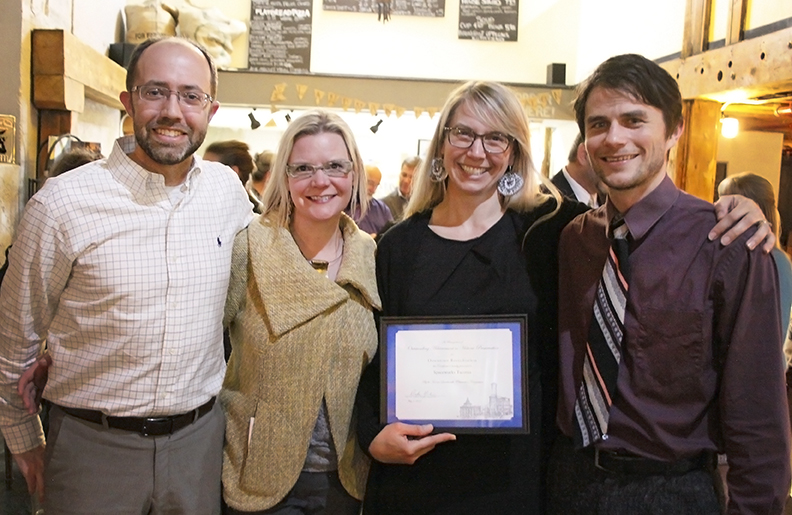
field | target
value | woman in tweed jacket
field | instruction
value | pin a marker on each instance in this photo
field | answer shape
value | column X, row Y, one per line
column 300, row 337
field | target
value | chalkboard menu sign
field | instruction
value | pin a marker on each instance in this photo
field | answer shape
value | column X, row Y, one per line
column 488, row 20
column 280, row 36
column 430, row 8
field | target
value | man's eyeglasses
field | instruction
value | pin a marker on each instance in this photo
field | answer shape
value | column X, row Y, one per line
column 195, row 98
column 339, row 168
column 493, row 142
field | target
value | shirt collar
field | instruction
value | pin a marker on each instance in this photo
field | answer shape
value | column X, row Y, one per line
column 137, row 179
column 646, row 212
column 580, row 192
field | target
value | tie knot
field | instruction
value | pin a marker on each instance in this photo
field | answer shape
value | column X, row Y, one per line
column 618, row 229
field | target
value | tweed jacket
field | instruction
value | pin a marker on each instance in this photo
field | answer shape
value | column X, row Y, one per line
column 297, row 337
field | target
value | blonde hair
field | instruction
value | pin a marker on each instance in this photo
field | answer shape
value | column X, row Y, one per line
column 497, row 106
column 756, row 188
column 276, row 196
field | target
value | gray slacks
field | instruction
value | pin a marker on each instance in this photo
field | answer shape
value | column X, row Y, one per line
column 93, row 470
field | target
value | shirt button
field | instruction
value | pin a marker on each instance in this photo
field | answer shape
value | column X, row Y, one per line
column 172, row 352
column 605, row 437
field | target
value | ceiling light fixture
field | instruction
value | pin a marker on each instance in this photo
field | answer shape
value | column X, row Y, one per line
column 254, row 124
column 784, row 110
column 730, row 127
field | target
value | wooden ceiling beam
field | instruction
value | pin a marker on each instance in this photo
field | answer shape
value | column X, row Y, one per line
column 66, row 71
column 252, row 89
column 747, row 69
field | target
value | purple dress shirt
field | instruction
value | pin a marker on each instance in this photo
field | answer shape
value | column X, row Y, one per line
column 701, row 367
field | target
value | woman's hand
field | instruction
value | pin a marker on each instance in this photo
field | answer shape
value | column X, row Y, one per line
column 32, row 382
column 737, row 214
column 404, row 443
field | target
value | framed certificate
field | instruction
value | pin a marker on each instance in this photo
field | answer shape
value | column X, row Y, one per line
column 461, row 374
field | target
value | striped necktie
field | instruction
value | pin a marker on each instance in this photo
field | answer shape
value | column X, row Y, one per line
column 604, row 346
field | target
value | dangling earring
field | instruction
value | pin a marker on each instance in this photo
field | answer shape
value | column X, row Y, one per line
column 510, row 183
column 437, row 171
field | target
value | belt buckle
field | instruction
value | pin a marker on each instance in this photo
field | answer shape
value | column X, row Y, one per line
column 157, row 426
column 597, row 464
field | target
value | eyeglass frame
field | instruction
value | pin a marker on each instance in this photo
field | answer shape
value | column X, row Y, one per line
column 447, row 133
column 291, row 169
column 205, row 100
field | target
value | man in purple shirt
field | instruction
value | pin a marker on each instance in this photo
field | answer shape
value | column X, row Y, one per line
column 699, row 368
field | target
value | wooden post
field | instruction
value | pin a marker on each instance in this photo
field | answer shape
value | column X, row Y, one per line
column 736, row 24
column 697, row 23
column 697, row 150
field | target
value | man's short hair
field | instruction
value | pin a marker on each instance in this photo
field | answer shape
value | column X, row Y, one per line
column 639, row 77
column 572, row 157
column 135, row 57
column 263, row 162
column 411, row 162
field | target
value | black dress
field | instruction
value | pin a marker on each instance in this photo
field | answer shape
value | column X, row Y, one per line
column 421, row 274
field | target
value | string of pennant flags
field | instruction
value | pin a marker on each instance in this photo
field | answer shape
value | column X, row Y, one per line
column 332, row 99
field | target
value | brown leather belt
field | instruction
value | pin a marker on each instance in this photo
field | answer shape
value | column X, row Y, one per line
column 151, row 426
column 625, row 463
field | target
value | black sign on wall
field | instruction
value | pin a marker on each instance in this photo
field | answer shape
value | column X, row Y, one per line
column 430, row 8
column 280, row 36
column 488, row 20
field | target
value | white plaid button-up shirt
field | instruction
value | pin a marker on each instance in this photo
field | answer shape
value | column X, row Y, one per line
column 126, row 286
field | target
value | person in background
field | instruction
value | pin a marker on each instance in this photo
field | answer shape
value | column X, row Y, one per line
column 258, row 179
column 577, row 179
column 122, row 267
column 398, row 199
column 669, row 344
column 299, row 311
column 478, row 238
column 71, row 159
column 378, row 215
column 236, row 155
column 759, row 189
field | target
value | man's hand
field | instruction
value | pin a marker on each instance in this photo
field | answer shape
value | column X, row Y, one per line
column 404, row 443
column 738, row 214
column 31, row 464
column 32, row 382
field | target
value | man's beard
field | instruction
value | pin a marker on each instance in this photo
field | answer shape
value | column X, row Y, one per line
column 164, row 154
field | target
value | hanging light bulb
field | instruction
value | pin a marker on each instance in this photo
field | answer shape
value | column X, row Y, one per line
column 730, row 127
